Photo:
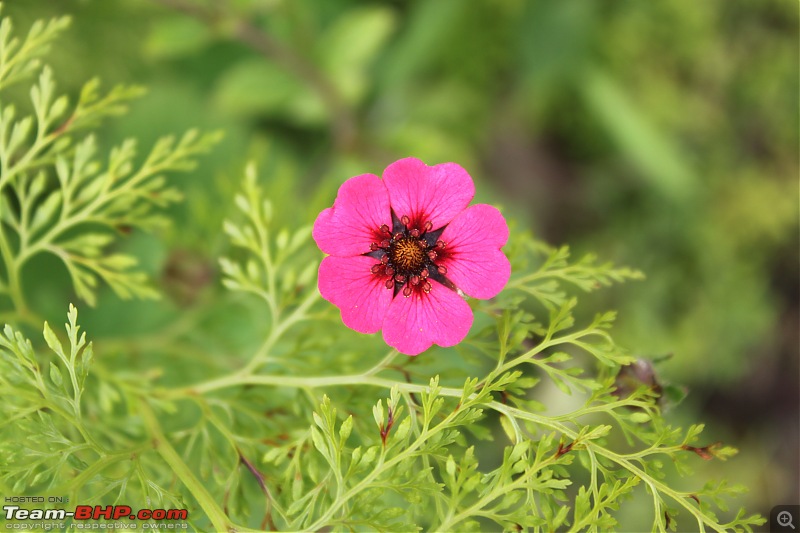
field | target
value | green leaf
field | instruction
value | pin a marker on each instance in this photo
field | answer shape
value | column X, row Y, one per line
column 640, row 417
column 45, row 212
column 53, row 342
column 508, row 428
column 319, row 442
column 345, row 429
column 451, row 466
column 55, row 375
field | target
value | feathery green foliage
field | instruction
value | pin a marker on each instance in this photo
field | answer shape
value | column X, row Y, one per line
column 375, row 440
column 57, row 196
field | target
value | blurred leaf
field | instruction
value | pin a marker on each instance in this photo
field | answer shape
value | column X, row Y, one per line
column 425, row 33
column 348, row 48
column 176, row 36
column 258, row 87
column 659, row 161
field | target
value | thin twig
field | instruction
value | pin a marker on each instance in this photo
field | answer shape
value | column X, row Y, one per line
column 261, row 483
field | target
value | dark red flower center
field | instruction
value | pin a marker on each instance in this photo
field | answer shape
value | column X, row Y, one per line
column 408, row 256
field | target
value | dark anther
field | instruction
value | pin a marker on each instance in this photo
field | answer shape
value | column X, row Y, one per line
column 705, row 452
column 376, row 268
column 389, row 423
column 564, row 449
column 408, row 255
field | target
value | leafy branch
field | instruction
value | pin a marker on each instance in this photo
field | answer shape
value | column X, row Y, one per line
column 273, row 271
column 19, row 58
column 61, row 452
column 265, row 444
column 78, row 215
column 545, row 284
column 530, row 486
column 337, row 473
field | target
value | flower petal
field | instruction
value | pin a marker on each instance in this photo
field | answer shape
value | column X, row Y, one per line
column 435, row 194
column 412, row 324
column 354, row 221
column 472, row 257
column 360, row 295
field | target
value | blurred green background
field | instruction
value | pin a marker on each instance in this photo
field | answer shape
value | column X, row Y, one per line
column 660, row 134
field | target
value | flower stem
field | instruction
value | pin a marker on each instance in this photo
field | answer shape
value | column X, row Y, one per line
column 368, row 379
column 215, row 514
column 297, row 315
column 14, row 286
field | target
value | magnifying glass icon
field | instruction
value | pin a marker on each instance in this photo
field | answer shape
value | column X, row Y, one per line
column 785, row 519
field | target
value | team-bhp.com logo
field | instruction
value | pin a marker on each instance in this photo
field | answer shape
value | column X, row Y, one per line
column 88, row 512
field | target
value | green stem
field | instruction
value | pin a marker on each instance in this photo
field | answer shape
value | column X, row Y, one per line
column 207, row 502
column 368, row 380
column 297, row 315
column 96, row 467
column 381, row 466
column 498, row 492
column 14, row 285
column 655, row 485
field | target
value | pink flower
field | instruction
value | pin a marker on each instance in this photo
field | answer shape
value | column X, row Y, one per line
column 401, row 247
